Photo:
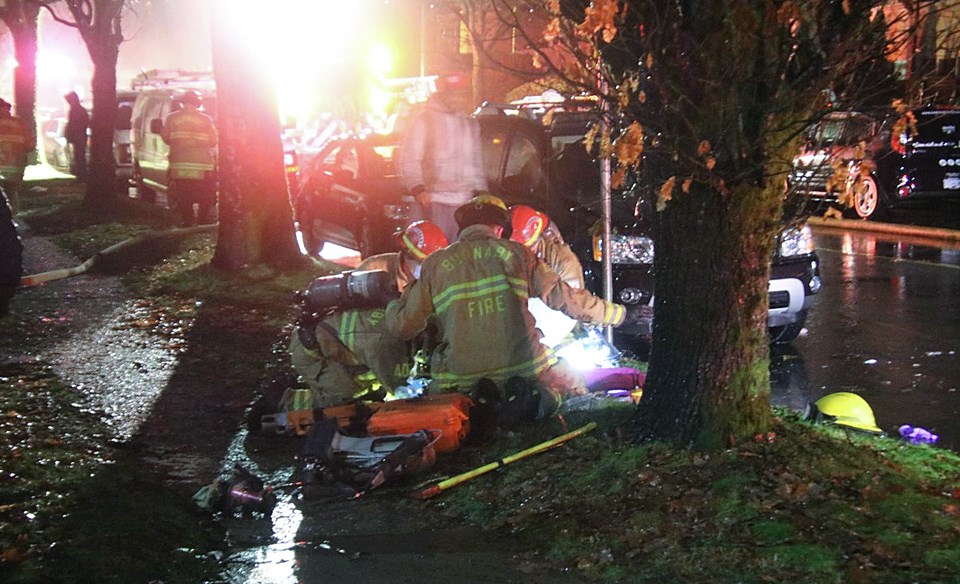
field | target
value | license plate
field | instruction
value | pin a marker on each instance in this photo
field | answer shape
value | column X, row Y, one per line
column 951, row 183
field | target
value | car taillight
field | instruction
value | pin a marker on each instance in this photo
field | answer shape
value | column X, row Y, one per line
column 904, row 186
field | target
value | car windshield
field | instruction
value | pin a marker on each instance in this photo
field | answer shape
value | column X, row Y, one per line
column 843, row 131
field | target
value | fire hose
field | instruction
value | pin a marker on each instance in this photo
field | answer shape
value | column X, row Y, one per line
column 464, row 477
column 35, row 279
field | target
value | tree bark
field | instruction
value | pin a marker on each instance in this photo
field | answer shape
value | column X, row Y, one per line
column 256, row 218
column 101, row 174
column 708, row 381
column 21, row 18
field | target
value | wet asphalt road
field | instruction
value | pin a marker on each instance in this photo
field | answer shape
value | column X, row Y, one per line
column 886, row 325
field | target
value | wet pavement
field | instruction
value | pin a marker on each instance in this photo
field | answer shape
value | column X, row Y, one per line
column 886, row 325
column 173, row 405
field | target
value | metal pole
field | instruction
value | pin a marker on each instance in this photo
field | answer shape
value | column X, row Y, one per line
column 605, row 198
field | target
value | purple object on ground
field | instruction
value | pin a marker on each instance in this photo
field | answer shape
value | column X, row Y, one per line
column 614, row 378
column 918, row 435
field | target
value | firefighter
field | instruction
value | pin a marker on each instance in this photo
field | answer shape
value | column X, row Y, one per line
column 354, row 353
column 192, row 137
column 477, row 288
column 15, row 143
column 534, row 229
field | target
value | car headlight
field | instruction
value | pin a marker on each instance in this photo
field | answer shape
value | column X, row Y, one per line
column 625, row 249
column 796, row 241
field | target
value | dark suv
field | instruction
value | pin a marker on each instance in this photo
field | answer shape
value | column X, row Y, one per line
column 352, row 196
column 878, row 161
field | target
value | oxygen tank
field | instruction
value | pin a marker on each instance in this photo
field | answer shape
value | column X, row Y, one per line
column 350, row 290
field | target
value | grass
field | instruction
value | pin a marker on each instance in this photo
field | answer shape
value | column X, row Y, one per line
column 817, row 504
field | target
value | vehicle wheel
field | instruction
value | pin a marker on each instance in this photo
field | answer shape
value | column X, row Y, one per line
column 868, row 201
column 788, row 332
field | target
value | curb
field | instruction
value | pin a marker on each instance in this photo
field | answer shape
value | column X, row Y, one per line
column 891, row 228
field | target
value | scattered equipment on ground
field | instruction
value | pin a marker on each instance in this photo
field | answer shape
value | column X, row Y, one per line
column 241, row 490
column 844, row 409
column 464, row 477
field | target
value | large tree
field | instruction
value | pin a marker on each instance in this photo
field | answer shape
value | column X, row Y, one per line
column 100, row 24
column 256, row 219
column 21, row 18
column 706, row 103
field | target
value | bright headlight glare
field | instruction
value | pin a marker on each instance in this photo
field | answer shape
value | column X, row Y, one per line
column 796, row 241
column 625, row 249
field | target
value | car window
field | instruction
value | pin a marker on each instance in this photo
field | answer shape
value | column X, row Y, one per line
column 523, row 171
column 154, row 110
column 124, row 114
column 387, row 159
column 493, row 147
column 846, row 131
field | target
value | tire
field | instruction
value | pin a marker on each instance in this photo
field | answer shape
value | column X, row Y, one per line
column 788, row 332
column 869, row 202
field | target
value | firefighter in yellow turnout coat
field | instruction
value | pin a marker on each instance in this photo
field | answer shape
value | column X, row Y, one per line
column 478, row 289
column 356, row 353
column 192, row 137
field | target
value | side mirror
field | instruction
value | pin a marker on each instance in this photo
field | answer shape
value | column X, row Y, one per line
column 156, row 125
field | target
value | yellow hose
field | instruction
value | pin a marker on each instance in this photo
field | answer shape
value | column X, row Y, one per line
column 464, row 477
column 40, row 278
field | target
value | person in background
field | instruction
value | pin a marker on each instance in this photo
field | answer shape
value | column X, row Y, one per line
column 349, row 353
column 192, row 137
column 477, row 289
column 441, row 154
column 15, row 143
column 75, row 132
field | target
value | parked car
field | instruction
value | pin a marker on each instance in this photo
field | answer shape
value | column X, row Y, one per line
column 352, row 196
column 878, row 161
column 157, row 93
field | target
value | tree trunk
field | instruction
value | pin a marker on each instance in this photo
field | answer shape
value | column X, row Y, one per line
column 256, row 218
column 708, row 381
column 101, row 174
column 24, row 31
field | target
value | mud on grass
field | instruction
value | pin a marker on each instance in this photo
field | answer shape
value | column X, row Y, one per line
column 804, row 504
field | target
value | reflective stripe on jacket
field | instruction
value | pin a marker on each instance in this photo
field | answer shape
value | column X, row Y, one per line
column 192, row 136
column 478, row 288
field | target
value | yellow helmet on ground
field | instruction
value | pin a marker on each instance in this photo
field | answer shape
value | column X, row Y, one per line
column 844, row 409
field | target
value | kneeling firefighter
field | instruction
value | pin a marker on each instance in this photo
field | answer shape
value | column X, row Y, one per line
column 477, row 290
column 341, row 348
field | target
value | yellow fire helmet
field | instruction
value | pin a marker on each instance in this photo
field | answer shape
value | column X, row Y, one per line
column 844, row 409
